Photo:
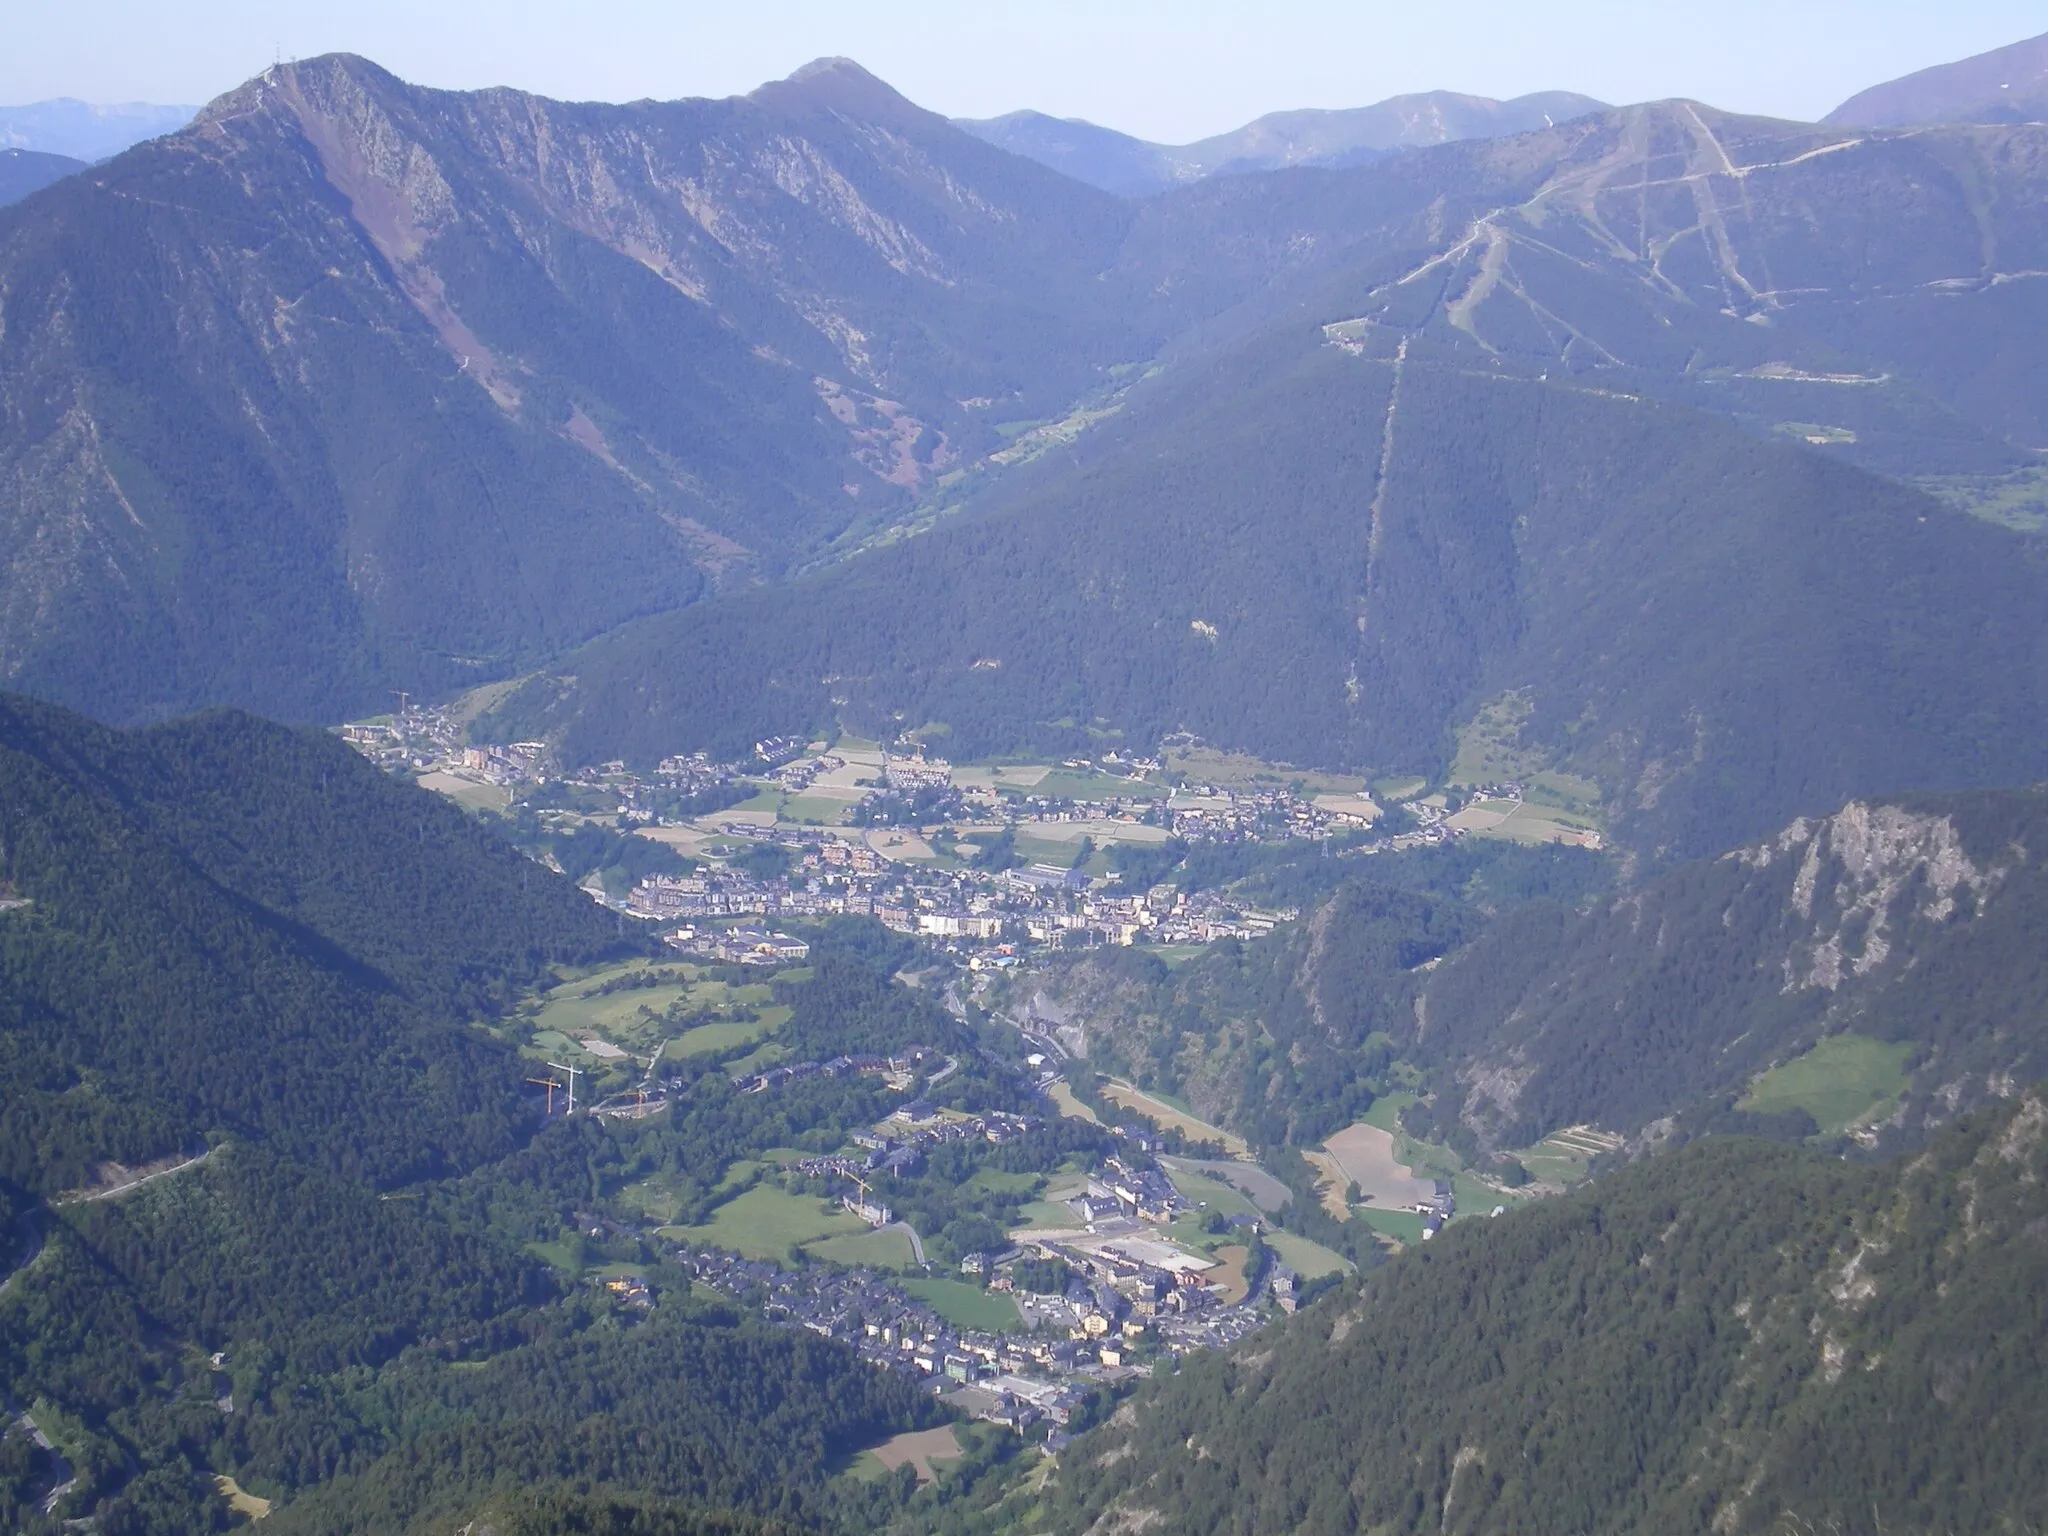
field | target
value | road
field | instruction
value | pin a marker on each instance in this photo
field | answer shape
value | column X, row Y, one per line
column 916, row 1242
column 127, row 1186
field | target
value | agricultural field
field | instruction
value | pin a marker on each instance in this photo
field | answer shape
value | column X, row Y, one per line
column 1230, row 1273
column 1307, row 1259
column 922, row 1449
column 766, row 1222
column 471, row 794
column 1562, row 1158
column 1079, row 784
column 1072, row 1107
column 964, row 1305
column 1231, row 1188
column 1231, row 770
column 1363, row 1154
column 1162, row 1113
column 682, row 1013
column 1844, row 1082
column 881, row 1249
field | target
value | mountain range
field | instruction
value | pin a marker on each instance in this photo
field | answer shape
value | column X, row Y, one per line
column 1117, row 162
column 712, row 420
column 23, row 171
column 82, row 130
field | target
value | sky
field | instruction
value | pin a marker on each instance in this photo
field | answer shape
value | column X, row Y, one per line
column 1168, row 70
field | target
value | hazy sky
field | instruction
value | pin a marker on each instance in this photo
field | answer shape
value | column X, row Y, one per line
column 1171, row 70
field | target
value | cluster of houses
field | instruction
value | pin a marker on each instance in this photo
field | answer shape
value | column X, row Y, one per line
column 1019, row 1380
column 897, row 1071
column 975, row 910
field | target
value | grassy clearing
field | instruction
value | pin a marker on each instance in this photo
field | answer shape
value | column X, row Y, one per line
column 996, row 1182
column 964, row 1305
column 873, row 1250
column 922, row 1449
column 1164, row 1114
column 1402, row 1226
column 1845, row 1081
column 1212, row 1194
column 816, row 810
column 716, row 1039
column 1041, row 850
column 239, row 1500
column 1307, row 1259
column 1072, row 1107
column 467, row 793
column 1048, row 1216
column 1174, row 956
column 1232, row 770
column 1075, row 784
column 1490, row 744
column 2018, row 501
column 1230, row 1275
column 765, row 1222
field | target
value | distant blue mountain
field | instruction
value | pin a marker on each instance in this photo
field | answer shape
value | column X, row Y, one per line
column 1117, row 162
column 84, row 130
column 23, row 171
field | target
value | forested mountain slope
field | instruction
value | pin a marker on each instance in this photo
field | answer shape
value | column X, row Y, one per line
column 1913, row 920
column 225, row 926
column 1687, row 610
column 1283, row 1039
column 1736, row 1337
column 23, row 171
column 241, row 961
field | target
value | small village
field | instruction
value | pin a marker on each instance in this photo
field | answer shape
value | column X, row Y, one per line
column 1124, row 1294
column 988, row 867
column 991, row 864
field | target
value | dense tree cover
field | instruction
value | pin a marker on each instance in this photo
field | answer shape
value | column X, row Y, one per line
column 1909, row 920
column 1284, row 1038
column 237, row 928
column 1687, row 607
column 1734, row 1337
column 562, row 1512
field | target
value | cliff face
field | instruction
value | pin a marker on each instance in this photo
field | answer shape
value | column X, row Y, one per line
column 1902, row 921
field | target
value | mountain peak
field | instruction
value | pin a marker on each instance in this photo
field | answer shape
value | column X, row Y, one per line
column 838, row 85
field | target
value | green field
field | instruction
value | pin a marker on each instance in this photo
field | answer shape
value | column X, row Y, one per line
column 764, row 1222
column 1213, row 1193
column 1845, row 1081
column 815, row 810
column 1048, row 1215
column 964, row 1305
column 1069, row 784
column 1227, row 770
column 1393, row 790
column 723, row 1039
column 634, row 1018
column 1385, row 1114
column 1036, row 850
column 882, row 1249
column 1405, row 1226
column 1309, row 1260
column 996, row 1182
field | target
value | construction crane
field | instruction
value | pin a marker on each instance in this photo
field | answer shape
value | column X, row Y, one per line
column 551, row 1085
column 572, row 1085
